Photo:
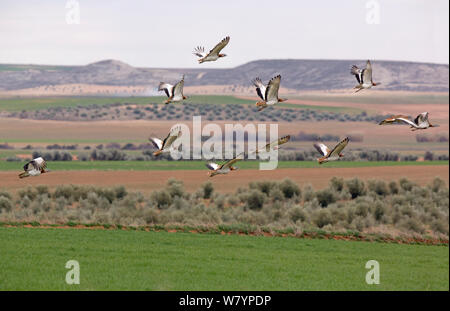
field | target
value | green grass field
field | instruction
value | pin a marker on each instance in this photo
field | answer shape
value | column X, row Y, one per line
column 32, row 104
column 200, row 165
column 35, row 259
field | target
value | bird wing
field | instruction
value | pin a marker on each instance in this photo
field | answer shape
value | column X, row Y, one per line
column 272, row 89
column 29, row 166
column 178, row 88
column 173, row 135
column 398, row 119
column 275, row 143
column 216, row 50
column 199, row 51
column 367, row 73
column 212, row 166
column 35, row 164
column 421, row 118
column 324, row 150
column 157, row 143
column 167, row 88
column 41, row 163
column 230, row 163
column 358, row 73
column 260, row 88
column 339, row 147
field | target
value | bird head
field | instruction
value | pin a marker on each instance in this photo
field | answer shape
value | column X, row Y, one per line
column 222, row 55
column 341, row 155
column 233, row 168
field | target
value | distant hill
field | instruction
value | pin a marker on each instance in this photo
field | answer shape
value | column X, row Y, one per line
column 296, row 74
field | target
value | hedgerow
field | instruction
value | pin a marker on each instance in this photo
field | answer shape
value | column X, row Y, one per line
column 398, row 206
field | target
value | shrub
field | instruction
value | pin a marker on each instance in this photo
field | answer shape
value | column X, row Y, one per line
column 296, row 213
column 255, row 200
column 265, row 186
column 378, row 186
column 5, row 194
column 162, row 199
column 356, row 187
column 175, row 188
column 208, row 190
column 405, row 184
column 5, row 204
column 322, row 218
column 436, row 185
column 325, row 197
column 289, row 188
column 337, row 184
column 393, row 187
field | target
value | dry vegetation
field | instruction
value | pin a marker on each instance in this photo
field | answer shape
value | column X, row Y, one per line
column 401, row 207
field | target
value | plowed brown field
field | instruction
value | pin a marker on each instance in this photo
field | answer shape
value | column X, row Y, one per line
column 147, row 181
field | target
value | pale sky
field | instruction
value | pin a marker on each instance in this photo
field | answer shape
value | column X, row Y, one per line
column 164, row 33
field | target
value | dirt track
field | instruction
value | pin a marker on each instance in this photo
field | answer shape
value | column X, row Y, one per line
column 147, row 181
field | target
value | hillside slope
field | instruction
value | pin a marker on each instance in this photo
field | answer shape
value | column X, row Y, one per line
column 297, row 75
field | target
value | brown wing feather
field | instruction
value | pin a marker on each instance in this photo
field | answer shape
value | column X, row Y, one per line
column 339, row 147
column 220, row 46
column 272, row 88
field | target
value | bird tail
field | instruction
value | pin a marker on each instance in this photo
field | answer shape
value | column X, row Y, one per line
column 23, row 175
column 261, row 105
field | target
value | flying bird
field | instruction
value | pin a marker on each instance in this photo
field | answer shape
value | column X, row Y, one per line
column 173, row 92
column 35, row 167
column 269, row 93
column 214, row 54
column 224, row 168
column 364, row 77
column 420, row 122
column 331, row 155
column 165, row 145
column 275, row 145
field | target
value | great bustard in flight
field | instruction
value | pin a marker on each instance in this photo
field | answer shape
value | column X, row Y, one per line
column 275, row 145
column 364, row 77
column 269, row 93
column 224, row 168
column 35, row 167
column 420, row 122
column 214, row 54
column 173, row 92
column 165, row 145
column 331, row 155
